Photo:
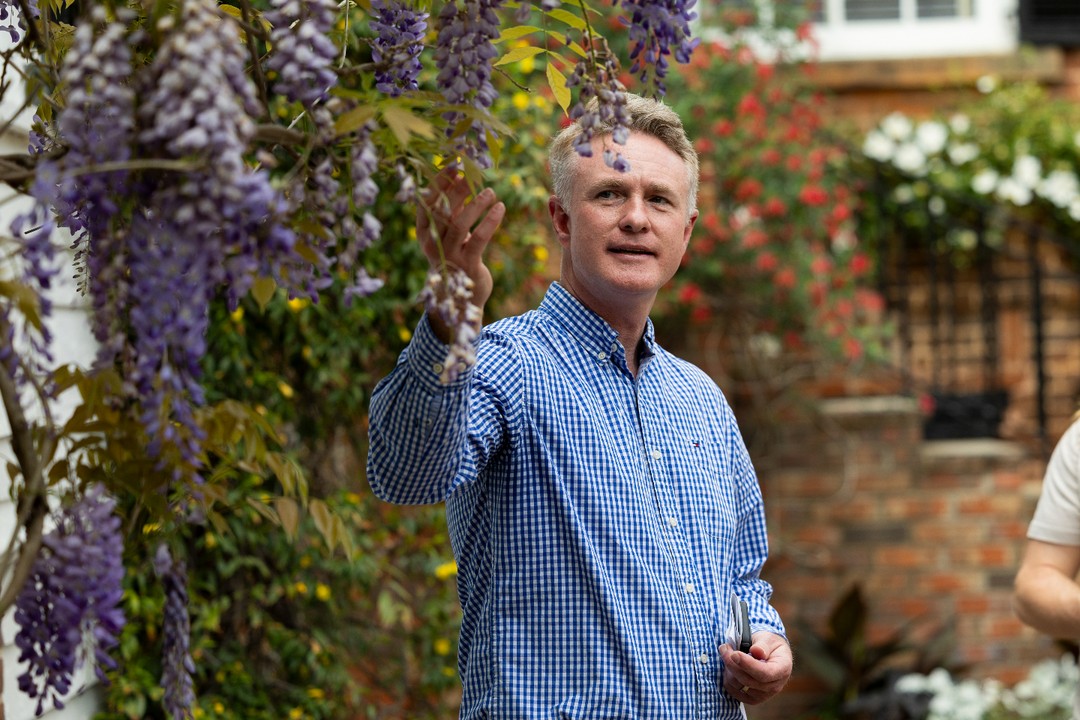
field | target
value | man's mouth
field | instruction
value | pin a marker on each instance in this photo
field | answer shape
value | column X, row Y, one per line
column 632, row 250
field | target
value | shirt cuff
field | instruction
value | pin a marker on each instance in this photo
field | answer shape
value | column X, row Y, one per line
column 427, row 355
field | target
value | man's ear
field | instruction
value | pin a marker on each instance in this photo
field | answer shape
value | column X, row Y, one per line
column 689, row 229
column 560, row 220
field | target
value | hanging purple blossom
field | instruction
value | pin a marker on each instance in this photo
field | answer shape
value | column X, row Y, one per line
column 463, row 55
column 399, row 40
column 601, row 103
column 657, row 28
column 177, row 665
column 302, row 55
column 73, row 595
column 11, row 20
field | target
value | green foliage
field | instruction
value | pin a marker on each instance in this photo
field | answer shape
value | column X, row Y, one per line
column 859, row 671
column 1011, row 152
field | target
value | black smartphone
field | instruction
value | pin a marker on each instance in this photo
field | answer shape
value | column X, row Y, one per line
column 740, row 629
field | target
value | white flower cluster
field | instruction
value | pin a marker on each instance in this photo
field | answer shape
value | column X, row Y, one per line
column 451, row 298
column 1046, row 694
column 931, row 147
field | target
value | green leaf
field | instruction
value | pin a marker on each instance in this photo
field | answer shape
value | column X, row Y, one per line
column 518, row 54
column 404, row 124
column 353, row 120
column 263, row 290
column 567, row 17
column 557, row 82
column 518, row 31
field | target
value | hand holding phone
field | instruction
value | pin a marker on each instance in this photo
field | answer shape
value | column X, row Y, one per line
column 739, row 628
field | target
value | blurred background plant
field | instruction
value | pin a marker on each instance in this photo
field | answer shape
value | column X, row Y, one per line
column 1015, row 148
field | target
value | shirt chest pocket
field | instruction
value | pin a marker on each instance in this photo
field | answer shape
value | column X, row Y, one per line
column 707, row 488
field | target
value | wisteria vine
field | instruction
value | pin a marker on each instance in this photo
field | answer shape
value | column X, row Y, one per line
column 206, row 151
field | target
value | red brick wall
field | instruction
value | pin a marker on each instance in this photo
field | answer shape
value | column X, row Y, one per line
column 933, row 532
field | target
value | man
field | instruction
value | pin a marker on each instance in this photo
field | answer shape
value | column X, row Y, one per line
column 1046, row 595
column 600, row 501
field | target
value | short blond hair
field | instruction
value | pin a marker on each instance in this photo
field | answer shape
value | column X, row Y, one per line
column 648, row 116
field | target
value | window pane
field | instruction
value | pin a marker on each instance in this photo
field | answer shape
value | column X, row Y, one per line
column 817, row 10
column 872, row 9
column 943, row 8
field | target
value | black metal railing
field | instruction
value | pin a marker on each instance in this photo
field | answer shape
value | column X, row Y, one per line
column 968, row 286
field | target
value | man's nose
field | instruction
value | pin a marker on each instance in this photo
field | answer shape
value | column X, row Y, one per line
column 635, row 218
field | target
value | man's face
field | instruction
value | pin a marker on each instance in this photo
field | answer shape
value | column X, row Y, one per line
column 624, row 234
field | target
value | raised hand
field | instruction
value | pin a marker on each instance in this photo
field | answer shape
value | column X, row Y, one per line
column 454, row 227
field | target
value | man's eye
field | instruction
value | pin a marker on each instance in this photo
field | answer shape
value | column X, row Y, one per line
column 660, row 200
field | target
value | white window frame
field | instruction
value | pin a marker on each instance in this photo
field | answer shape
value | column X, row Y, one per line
column 993, row 29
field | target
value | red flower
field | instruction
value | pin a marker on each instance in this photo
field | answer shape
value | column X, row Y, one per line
column 748, row 189
column 704, row 145
column 785, row 278
column 774, row 207
column 750, row 105
column 689, row 293
column 701, row 314
column 766, row 261
column 860, row 263
column 853, row 349
column 754, row 238
column 771, row 157
column 813, row 195
column 723, row 128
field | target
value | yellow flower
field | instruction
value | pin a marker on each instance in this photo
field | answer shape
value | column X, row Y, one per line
column 151, row 528
column 527, row 65
column 301, row 588
column 442, row 646
column 541, row 102
column 285, row 389
column 448, row 671
column 198, row 713
column 412, row 233
column 261, row 409
column 352, row 497
column 315, row 693
column 540, row 252
column 296, row 713
column 405, row 334
column 219, row 708
column 210, row 540
column 298, row 303
column 516, row 181
column 322, row 592
column 237, row 315
column 521, row 99
column 447, row 569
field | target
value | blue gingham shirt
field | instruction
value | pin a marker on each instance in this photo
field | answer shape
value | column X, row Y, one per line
column 600, row 521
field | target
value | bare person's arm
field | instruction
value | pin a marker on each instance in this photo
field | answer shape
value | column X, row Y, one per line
column 1046, row 595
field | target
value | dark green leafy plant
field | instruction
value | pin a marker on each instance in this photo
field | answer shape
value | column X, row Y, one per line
column 858, row 672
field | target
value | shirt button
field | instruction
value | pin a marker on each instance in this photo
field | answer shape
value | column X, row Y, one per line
column 689, row 587
column 672, row 521
column 656, row 454
column 614, row 346
column 437, row 368
column 703, row 659
column 601, row 355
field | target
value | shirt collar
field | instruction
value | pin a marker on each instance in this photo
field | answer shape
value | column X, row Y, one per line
column 588, row 328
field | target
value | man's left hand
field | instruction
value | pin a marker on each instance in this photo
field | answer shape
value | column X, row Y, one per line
column 754, row 677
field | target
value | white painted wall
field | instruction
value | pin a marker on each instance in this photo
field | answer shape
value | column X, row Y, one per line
column 992, row 30
column 73, row 343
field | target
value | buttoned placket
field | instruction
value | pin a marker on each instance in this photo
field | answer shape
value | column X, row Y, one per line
column 681, row 554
